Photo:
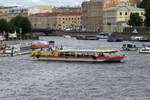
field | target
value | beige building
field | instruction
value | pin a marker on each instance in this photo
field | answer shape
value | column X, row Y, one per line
column 115, row 19
column 61, row 21
column 43, row 21
column 92, row 15
column 68, row 21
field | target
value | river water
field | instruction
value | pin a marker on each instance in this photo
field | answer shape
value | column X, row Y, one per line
column 24, row 79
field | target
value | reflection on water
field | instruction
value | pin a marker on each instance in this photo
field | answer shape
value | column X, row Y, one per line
column 23, row 79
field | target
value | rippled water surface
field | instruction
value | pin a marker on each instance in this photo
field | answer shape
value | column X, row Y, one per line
column 23, row 79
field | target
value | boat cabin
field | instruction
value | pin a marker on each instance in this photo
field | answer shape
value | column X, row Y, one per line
column 86, row 53
column 129, row 47
column 145, row 50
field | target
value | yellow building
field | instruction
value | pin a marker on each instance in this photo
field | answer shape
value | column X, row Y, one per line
column 5, row 10
column 68, row 21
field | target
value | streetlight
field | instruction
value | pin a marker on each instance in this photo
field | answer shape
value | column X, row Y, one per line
column 20, row 31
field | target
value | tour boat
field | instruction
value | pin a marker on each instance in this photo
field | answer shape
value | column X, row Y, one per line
column 72, row 55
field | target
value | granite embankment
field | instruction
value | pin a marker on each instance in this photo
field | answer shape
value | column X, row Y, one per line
column 124, row 35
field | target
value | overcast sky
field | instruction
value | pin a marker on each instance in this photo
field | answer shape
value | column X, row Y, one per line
column 27, row 3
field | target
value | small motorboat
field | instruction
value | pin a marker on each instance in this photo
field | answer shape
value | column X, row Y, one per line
column 129, row 47
column 17, row 49
column 103, row 35
column 67, row 36
column 87, row 37
column 145, row 50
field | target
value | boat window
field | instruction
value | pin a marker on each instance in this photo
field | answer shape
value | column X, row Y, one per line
column 124, row 45
column 67, row 53
column 72, row 53
column 62, row 54
column 145, row 49
column 100, row 54
column 44, row 49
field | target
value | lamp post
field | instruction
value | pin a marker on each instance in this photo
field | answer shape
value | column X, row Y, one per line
column 20, row 31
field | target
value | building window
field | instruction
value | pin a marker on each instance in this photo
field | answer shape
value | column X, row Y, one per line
column 120, row 13
column 142, row 13
column 126, row 13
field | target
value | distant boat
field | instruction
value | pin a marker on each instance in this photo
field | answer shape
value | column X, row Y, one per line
column 84, row 37
column 145, row 50
column 67, row 36
column 129, row 47
column 103, row 35
column 139, row 38
column 17, row 49
column 114, row 39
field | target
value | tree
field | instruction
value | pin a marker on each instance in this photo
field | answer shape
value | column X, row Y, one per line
column 135, row 20
column 4, row 27
column 21, row 24
column 25, row 25
column 145, row 4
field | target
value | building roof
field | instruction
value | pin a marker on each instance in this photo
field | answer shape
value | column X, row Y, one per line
column 56, row 14
column 124, row 7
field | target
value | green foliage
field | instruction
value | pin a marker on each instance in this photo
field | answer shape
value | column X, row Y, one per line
column 25, row 25
column 135, row 20
column 146, row 5
column 4, row 27
column 21, row 24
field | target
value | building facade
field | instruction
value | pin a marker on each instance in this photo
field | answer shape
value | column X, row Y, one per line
column 58, row 21
column 92, row 15
column 4, row 10
column 66, row 9
column 115, row 19
column 43, row 21
column 68, row 21
column 112, row 3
